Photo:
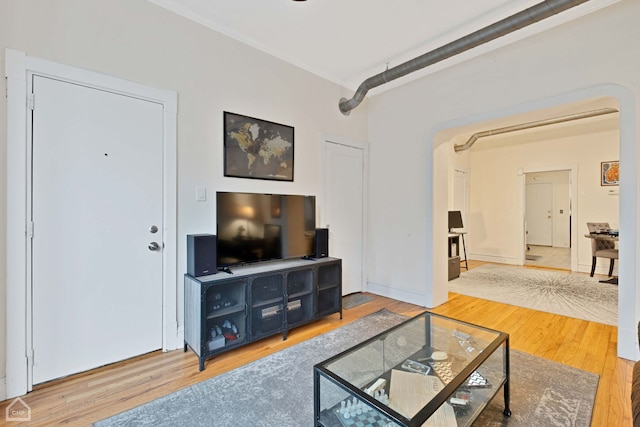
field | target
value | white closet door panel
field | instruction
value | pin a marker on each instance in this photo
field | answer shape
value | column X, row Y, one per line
column 344, row 186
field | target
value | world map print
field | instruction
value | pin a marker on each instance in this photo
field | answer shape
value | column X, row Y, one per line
column 257, row 148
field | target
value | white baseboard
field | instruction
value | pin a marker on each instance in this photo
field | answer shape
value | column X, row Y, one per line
column 175, row 341
column 179, row 338
column 494, row 258
column 600, row 269
column 397, row 294
column 628, row 344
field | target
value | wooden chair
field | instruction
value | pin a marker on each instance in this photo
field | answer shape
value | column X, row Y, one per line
column 600, row 247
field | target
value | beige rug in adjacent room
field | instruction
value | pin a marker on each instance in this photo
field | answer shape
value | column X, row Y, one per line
column 568, row 294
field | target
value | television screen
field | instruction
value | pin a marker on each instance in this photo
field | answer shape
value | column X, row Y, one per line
column 255, row 227
column 455, row 220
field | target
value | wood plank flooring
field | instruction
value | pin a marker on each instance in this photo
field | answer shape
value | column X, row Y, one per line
column 85, row 398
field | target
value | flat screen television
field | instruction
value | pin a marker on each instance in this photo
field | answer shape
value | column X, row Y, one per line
column 254, row 227
column 455, row 220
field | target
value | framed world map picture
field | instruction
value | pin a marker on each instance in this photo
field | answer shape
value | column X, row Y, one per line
column 255, row 148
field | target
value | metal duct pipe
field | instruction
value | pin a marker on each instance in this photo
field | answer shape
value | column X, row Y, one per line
column 531, row 125
column 508, row 25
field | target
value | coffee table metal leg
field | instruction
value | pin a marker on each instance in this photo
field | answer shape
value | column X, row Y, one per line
column 507, row 396
column 506, row 411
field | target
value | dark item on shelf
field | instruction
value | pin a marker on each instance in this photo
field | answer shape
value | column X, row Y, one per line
column 229, row 334
column 201, row 254
column 267, row 291
column 455, row 220
column 229, row 330
column 453, row 267
column 478, row 381
column 216, row 331
column 321, row 243
column 220, row 304
column 417, row 367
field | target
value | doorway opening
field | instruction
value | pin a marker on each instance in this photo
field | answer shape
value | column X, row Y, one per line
column 492, row 236
column 548, row 219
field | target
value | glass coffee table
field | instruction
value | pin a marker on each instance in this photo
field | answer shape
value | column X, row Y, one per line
column 427, row 371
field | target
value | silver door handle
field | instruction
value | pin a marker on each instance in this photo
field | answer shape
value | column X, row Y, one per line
column 153, row 246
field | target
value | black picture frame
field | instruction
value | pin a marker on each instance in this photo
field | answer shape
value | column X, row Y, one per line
column 257, row 149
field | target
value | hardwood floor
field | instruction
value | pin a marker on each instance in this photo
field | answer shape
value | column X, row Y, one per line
column 85, row 398
column 548, row 256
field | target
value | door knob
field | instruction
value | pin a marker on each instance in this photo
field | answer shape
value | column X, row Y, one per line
column 153, row 229
column 153, row 246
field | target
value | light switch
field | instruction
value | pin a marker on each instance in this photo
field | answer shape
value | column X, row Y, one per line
column 201, row 194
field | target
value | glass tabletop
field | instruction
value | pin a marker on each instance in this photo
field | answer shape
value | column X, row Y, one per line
column 428, row 366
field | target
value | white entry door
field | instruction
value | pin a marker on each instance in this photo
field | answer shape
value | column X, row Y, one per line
column 538, row 214
column 344, row 177
column 96, row 200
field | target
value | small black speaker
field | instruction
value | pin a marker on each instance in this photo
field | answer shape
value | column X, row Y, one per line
column 201, row 254
column 321, row 243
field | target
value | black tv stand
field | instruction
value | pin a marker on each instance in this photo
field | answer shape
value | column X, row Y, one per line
column 260, row 300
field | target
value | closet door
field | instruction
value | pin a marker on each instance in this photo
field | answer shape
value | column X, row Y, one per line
column 344, row 178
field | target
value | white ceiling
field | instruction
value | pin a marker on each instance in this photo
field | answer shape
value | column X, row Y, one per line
column 347, row 41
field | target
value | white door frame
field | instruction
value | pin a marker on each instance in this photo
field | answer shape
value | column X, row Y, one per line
column 348, row 142
column 17, row 67
column 573, row 185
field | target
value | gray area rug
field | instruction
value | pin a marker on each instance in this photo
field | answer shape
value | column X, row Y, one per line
column 277, row 390
column 568, row 294
column 354, row 300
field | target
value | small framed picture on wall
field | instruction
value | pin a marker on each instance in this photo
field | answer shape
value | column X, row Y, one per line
column 610, row 173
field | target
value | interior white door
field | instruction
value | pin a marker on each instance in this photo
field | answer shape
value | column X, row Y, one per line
column 461, row 194
column 538, row 214
column 344, row 176
column 96, row 196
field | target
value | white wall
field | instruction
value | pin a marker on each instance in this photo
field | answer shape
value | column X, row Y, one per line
column 141, row 42
column 496, row 189
column 409, row 144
